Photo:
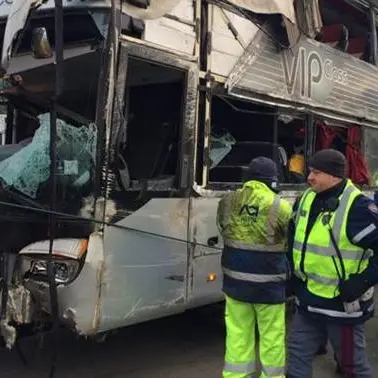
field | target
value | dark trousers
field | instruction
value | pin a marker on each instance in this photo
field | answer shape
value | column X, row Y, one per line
column 348, row 341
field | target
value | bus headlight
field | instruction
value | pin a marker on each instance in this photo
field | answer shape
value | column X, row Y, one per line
column 66, row 270
column 68, row 259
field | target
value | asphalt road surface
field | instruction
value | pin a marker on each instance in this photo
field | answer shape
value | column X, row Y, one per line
column 184, row 346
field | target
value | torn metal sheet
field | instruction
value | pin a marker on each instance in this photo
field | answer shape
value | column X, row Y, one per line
column 284, row 7
column 111, row 110
column 19, row 311
column 311, row 74
column 230, row 35
column 98, row 208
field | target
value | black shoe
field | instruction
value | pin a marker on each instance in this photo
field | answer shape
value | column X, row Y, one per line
column 322, row 351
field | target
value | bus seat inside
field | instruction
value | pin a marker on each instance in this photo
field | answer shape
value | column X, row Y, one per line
column 345, row 27
column 358, row 47
column 336, row 36
column 234, row 167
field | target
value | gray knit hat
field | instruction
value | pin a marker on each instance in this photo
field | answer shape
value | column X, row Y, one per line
column 329, row 161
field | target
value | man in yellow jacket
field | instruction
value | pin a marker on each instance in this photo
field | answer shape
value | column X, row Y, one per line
column 333, row 251
column 253, row 222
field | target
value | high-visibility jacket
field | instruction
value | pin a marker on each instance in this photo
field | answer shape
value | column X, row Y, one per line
column 253, row 222
column 297, row 164
column 316, row 261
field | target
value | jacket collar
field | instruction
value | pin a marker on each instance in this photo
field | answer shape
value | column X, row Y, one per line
column 335, row 191
column 257, row 184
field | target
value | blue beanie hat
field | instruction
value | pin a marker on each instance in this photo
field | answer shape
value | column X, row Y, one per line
column 263, row 169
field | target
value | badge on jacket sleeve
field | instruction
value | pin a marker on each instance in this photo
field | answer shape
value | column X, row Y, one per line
column 373, row 208
column 326, row 219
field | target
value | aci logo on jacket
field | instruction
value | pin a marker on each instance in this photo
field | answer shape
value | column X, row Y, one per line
column 248, row 214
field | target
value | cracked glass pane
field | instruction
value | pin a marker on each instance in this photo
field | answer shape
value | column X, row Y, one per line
column 29, row 167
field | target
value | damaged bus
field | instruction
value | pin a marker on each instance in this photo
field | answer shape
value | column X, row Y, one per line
column 161, row 107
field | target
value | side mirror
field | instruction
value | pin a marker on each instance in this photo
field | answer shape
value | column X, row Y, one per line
column 40, row 44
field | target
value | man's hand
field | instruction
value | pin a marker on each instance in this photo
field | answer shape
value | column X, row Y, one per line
column 353, row 288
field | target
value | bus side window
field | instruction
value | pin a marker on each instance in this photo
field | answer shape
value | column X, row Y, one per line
column 242, row 131
column 347, row 138
column 154, row 96
column 341, row 26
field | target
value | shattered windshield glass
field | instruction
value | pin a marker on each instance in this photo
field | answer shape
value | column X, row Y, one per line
column 29, row 167
column 220, row 147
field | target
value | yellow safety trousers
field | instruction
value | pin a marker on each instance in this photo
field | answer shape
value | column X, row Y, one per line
column 241, row 321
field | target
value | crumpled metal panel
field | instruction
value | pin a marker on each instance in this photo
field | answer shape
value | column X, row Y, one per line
column 79, row 302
